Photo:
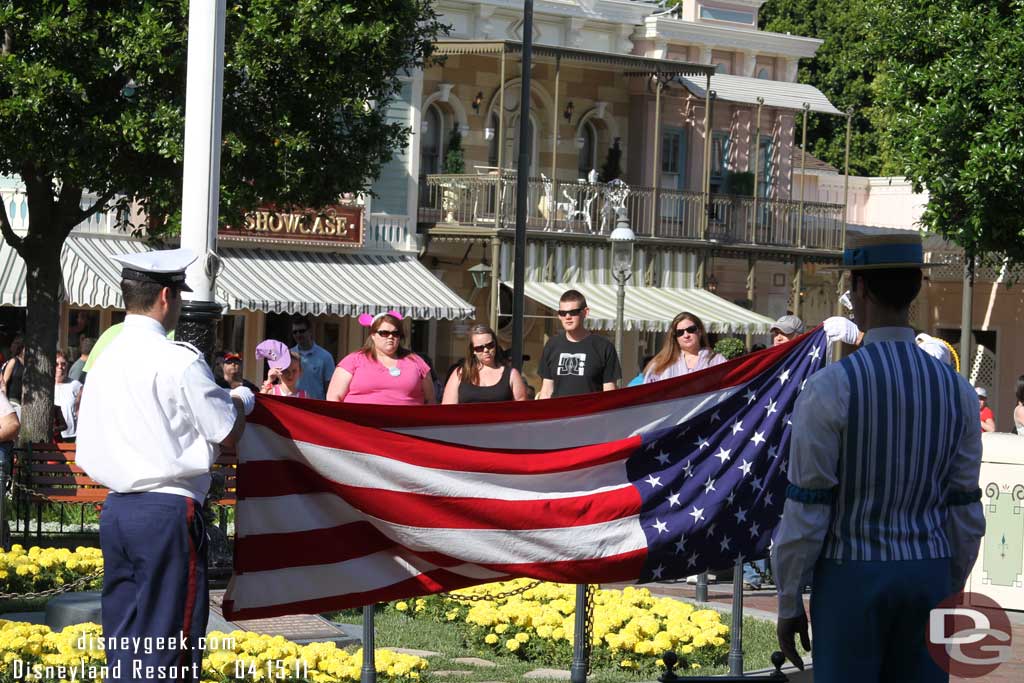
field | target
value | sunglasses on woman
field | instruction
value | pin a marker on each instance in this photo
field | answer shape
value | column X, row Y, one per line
column 484, row 347
column 389, row 334
column 692, row 329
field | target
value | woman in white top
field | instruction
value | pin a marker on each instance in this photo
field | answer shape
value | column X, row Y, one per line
column 1018, row 412
column 686, row 349
column 67, row 394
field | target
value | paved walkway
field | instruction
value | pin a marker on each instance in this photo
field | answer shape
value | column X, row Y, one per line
column 763, row 604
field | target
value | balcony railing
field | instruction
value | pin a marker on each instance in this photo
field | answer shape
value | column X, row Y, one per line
column 589, row 208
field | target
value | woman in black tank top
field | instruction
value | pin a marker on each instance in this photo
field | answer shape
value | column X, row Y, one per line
column 482, row 377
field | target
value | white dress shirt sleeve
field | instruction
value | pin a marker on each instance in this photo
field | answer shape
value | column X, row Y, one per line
column 965, row 522
column 211, row 406
column 819, row 420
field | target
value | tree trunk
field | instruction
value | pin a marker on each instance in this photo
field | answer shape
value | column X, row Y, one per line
column 43, row 285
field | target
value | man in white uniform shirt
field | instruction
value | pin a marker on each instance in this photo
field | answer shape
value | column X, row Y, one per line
column 150, row 427
column 883, row 514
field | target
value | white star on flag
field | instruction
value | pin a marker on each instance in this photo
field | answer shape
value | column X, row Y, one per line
column 750, row 396
column 731, row 497
column 701, row 442
column 757, row 438
column 741, row 515
column 681, row 544
column 815, row 353
column 693, row 560
column 654, row 481
column 770, row 406
column 755, row 530
column 723, row 454
column 784, row 377
column 724, row 545
column 660, row 526
column 757, row 483
column 768, row 499
column 773, row 451
column 688, row 469
column 673, row 499
column 745, row 467
column 709, row 485
column 657, row 571
column 716, row 416
column 663, row 458
column 697, row 514
column 737, row 427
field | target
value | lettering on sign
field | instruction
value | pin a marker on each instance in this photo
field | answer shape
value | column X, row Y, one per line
column 340, row 224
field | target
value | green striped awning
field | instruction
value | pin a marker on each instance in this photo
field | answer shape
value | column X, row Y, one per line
column 652, row 308
column 254, row 279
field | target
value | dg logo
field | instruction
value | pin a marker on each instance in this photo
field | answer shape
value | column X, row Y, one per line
column 969, row 635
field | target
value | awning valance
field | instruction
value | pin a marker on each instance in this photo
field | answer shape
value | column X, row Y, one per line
column 746, row 90
column 272, row 281
column 652, row 308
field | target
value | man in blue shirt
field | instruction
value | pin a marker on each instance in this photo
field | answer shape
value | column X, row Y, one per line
column 317, row 362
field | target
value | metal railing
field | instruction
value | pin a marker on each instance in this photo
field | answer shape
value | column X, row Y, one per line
column 582, row 207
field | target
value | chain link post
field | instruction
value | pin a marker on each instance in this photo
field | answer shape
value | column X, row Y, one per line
column 578, row 671
column 369, row 671
column 736, row 636
column 702, row 587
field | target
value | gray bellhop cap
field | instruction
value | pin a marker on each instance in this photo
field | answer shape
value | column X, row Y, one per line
column 789, row 324
column 166, row 267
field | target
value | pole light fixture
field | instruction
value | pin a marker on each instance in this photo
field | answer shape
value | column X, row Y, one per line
column 623, row 240
column 712, row 283
column 481, row 272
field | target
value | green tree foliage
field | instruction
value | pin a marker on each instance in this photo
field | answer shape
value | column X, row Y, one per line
column 92, row 97
column 455, row 158
column 951, row 111
column 843, row 70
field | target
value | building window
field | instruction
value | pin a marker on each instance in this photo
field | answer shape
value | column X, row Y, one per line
column 719, row 160
column 671, row 148
column 730, row 15
column 766, row 169
column 764, row 72
column 587, row 149
column 431, row 141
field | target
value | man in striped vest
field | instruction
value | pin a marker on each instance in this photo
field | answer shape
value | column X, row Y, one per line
column 883, row 515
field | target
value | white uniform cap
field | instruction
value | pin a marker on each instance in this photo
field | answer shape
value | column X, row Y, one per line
column 165, row 267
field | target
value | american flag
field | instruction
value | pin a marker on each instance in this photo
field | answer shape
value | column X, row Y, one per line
column 345, row 505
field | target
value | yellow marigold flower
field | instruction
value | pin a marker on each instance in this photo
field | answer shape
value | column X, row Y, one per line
column 512, row 644
column 402, row 606
column 523, row 637
column 490, row 639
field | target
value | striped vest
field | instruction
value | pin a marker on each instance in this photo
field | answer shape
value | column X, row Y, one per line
column 904, row 428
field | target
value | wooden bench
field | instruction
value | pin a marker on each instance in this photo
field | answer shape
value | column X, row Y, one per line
column 47, row 473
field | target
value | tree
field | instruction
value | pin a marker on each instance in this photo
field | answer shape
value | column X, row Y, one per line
column 843, row 69
column 951, row 111
column 92, row 96
column 454, row 158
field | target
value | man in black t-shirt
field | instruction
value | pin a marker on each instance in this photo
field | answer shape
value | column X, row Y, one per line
column 577, row 362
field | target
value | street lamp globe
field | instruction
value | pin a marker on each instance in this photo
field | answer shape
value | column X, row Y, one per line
column 481, row 272
column 622, row 239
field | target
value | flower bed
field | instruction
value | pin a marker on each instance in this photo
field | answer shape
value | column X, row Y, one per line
column 632, row 629
column 39, row 569
column 239, row 657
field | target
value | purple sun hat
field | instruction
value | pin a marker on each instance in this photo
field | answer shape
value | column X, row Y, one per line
column 275, row 353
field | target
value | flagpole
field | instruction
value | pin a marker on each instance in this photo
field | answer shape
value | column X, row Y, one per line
column 522, row 190
column 578, row 670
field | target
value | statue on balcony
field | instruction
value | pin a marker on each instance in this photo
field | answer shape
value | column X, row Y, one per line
column 615, row 194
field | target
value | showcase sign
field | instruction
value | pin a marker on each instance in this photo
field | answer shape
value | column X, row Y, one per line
column 339, row 224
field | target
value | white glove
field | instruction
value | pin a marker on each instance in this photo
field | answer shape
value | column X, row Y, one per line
column 838, row 328
column 245, row 395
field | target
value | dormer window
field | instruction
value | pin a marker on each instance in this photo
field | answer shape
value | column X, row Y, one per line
column 732, row 15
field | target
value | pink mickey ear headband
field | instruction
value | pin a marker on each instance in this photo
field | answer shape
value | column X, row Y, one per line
column 366, row 320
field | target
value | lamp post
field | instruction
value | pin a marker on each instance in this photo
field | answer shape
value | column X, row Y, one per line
column 622, row 239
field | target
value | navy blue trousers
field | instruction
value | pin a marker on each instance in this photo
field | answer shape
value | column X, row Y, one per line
column 868, row 620
column 154, row 586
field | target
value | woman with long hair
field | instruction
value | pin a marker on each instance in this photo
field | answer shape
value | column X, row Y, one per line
column 686, row 349
column 484, row 376
column 279, row 382
column 382, row 372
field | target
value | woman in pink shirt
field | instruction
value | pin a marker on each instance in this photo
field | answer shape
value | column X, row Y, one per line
column 382, row 372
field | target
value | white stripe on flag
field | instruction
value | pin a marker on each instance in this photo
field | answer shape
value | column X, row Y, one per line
column 486, row 546
column 252, row 590
column 582, row 430
column 382, row 473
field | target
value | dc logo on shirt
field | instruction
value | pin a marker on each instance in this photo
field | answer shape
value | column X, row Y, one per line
column 572, row 364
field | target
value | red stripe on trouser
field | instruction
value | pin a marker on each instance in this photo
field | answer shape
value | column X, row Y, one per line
column 282, row 478
column 190, row 598
column 625, row 567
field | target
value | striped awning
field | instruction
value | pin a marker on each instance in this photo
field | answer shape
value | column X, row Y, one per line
column 652, row 308
column 746, row 90
column 253, row 279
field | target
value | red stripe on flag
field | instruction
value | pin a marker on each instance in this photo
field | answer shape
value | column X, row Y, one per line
column 624, row 567
column 296, row 422
column 284, row 477
column 732, row 373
